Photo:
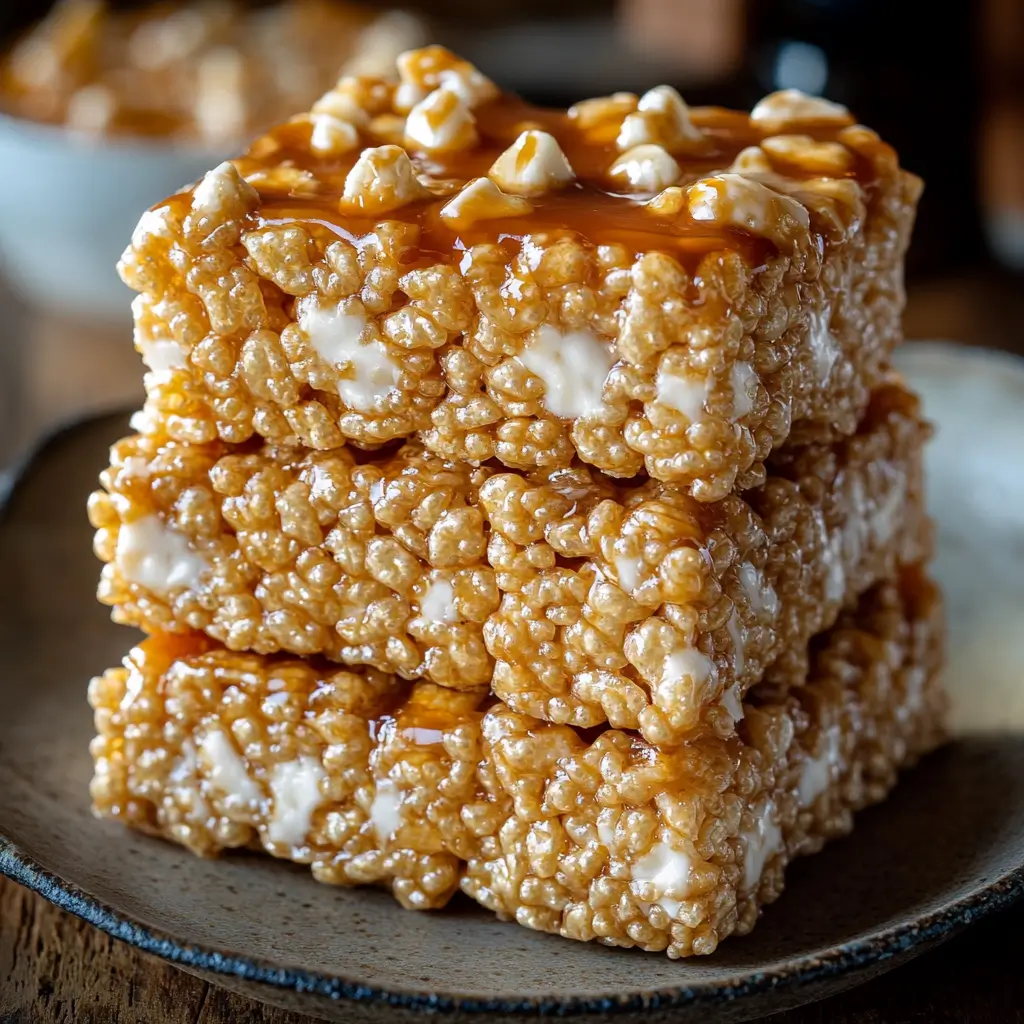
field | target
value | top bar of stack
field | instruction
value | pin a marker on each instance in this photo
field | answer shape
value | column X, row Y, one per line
column 633, row 283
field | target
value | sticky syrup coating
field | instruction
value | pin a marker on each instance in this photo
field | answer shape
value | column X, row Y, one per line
column 424, row 256
column 423, row 790
column 578, row 601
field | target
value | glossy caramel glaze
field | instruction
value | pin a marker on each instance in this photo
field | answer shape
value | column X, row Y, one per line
column 590, row 207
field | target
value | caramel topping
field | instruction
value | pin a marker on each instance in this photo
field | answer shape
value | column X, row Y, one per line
column 160, row 651
column 443, row 133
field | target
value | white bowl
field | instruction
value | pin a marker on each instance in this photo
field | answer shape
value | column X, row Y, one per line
column 69, row 204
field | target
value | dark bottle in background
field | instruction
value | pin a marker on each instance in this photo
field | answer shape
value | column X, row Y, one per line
column 911, row 72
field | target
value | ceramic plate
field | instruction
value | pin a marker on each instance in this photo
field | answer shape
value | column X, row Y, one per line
column 948, row 847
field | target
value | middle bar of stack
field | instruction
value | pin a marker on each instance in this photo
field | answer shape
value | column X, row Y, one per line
column 578, row 600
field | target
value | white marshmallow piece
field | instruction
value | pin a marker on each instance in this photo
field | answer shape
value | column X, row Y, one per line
column 161, row 355
column 222, row 190
column 573, row 367
column 438, row 602
column 295, row 789
column 660, row 872
column 751, row 160
column 594, row 113
column 386, row 810
column 441, row 122
column 331, row 136
column 737, row 201
column 831, row 158
column 792, row 107
column 152, row 554
column 662, row 118
column 670, row 202
column 431, row 66
column 337, row 336
column 532, row 165
column 407, row 95
column 341, row 105
column 481, row 199
column 383, row 178
column 646, row 168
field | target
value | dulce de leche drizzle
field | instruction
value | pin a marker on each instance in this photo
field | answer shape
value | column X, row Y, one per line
column 161, row 650
column 592, row 206
column 426, row 713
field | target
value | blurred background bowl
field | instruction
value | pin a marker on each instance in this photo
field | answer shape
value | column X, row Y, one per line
column 69, row 204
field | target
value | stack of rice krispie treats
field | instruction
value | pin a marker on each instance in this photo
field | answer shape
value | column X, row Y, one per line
column 523, row 504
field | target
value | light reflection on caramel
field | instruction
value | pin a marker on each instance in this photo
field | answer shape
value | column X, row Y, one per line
column 590, row 208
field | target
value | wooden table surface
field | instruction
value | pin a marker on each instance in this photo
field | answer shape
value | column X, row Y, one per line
column 54, row 969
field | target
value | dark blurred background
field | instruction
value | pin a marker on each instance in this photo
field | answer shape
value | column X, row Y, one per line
column 943, row 83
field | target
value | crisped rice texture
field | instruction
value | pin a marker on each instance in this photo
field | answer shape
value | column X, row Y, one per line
column 308, row 552
column 681, row 607
column 621, row 842
column 323, row 288
column 361, row 776
column 580, row 602
column 422, row 789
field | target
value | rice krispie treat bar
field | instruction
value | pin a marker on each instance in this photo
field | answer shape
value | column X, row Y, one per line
column 632, row 282
column 579, row 601
column 423, row 789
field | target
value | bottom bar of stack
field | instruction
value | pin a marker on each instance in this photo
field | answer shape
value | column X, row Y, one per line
column 592, row 835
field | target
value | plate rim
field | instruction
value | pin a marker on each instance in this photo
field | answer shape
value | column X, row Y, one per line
column 906, row 938
column 900, row 940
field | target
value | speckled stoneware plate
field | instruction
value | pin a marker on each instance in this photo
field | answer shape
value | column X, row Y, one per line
column 948, row 847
